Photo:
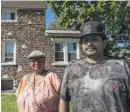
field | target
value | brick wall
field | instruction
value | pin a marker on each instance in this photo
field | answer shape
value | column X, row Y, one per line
column 29, row 33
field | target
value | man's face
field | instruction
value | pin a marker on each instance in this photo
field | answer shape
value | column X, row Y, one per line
column 93, row 46
column 37, row 64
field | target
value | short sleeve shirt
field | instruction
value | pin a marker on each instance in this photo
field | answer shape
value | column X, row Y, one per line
column 44, row 98
column 100, row 87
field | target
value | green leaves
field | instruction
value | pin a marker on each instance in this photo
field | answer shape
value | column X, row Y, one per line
column 114, row 14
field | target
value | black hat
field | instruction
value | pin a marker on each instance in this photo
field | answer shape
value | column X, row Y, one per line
column 92, row 27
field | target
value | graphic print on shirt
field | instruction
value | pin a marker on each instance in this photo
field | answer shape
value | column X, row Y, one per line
column 102, row 88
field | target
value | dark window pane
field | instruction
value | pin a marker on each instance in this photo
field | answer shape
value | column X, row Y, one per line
column 8, row 59
column 8, row 54
column 71, row 47
column 59, row 56
column 12, row 16
column 58, row 46
column 71, row 56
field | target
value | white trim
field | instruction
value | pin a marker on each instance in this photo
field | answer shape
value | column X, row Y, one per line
column 3, row 52
column 8, row 20
column 10, row 11
column 78, row 51
column 15, row 52
column 8, row 39
column 65, row 41
column 53, row 52
column 65, row 53
column 63, row 33
column 11, row 63
column 59, row 64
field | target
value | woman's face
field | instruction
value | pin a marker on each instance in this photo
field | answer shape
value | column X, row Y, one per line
column 37, row 64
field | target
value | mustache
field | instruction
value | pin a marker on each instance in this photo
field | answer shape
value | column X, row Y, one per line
column 90, row 48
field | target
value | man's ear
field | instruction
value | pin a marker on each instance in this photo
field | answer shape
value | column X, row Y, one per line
column 105, row 42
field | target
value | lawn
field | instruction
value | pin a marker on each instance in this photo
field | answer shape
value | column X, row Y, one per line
column 8, row 103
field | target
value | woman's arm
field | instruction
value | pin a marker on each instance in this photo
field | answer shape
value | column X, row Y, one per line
column 63, row 106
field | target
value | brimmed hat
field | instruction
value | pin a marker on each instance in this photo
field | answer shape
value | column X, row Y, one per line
column 92, row 27
column 36, row 53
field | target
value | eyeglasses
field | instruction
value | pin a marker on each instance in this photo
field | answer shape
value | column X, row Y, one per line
column 39, row 60
column 92, row 38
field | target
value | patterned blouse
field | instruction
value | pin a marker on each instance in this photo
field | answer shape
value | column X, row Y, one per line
column 38, row 95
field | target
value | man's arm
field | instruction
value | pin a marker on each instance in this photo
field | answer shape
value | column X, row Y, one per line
column 63, row 106
column 64, row 92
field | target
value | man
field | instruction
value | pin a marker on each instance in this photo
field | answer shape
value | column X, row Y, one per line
column 95, row 83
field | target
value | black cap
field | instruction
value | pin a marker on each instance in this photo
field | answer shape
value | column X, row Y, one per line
column 92, row 27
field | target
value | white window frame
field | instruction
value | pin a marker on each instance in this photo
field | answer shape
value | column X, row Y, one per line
column 3, row 52
column 9, row 11
column 65, row 41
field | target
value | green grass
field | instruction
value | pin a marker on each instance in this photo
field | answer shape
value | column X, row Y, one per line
column 70, row 108
column 8, row 103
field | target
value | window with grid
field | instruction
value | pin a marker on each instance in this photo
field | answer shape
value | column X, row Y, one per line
column 66, row 51
column 8, row 51
column 9, row 15
column 59, row 53
column 71, row 51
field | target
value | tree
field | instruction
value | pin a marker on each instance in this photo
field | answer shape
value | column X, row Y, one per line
column 56, row 24
column 113, row 14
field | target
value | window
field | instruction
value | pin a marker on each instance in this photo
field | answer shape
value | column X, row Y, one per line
column 71, row 48
column 59, row 53
column 8, row 52
column 65, row 50
column 9, row 15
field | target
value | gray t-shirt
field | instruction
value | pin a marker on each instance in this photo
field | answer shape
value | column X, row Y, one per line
column 100, row 87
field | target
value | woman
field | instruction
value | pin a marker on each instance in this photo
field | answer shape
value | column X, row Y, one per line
column 38, row 92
